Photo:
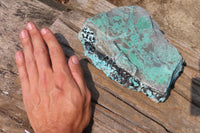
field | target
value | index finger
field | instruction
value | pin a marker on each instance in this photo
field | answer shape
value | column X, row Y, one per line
column 57, row 55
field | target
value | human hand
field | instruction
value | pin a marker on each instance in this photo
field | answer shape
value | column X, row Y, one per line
column 55, row 96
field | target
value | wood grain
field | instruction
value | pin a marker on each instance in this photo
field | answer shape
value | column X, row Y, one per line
column 115, row 108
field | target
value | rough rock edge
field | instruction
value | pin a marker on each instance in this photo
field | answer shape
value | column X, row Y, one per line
column 109, row 67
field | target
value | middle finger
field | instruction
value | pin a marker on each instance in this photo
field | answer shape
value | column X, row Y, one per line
column 40, row 50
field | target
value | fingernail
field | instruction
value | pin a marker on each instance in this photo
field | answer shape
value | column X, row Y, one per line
column 75, row 59
column 23, row 34
column 29, row 26
column 44, row 31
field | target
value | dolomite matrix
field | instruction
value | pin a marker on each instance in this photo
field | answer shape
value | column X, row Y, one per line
column 128, row 46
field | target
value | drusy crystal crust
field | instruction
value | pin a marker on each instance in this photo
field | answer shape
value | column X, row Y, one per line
column 128, row 46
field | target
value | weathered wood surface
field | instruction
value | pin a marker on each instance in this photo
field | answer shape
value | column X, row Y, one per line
column 118, row 109
column 14, row 14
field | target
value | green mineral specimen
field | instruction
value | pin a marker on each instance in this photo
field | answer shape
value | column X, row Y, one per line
column 127, row 44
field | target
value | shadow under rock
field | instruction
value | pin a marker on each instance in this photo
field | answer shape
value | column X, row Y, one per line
column 173, row 83
column 195, row 95
column 87, row 76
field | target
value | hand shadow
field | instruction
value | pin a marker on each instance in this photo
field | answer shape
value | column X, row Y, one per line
column 87, row 76
column 195, row 96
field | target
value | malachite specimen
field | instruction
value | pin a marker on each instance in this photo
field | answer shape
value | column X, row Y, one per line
column 128, row 46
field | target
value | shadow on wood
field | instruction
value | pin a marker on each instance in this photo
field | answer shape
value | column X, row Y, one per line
column 93, row 90
column 195, row 92
column 68, row 51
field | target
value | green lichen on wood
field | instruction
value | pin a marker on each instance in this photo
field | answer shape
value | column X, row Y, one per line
column 127, row 40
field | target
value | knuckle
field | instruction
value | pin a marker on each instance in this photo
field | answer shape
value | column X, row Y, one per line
column 36, row 100
column 60, row 75
column 60, row 78
column 34, row 33
column 23, row 76
column 76, row 72
column 55, row 51
column 29, row 61
column 49, row 36
column 26, row 42
column 39, row 51
column 20, row 64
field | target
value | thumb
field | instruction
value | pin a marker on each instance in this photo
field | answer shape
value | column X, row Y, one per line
column 77, row 72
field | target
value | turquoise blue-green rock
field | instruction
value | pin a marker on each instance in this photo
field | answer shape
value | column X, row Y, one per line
column 128, row 46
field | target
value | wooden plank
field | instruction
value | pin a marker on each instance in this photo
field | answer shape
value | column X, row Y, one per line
column 91, row 6
column 117, row 109
column 174, row 115
column 99, row 93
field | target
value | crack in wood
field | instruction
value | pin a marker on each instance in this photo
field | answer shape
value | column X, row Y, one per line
column 167, row 130
column 4, row 71
column 16, row 119
column 104, row 126
column 71, row 25
column 119, row 116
